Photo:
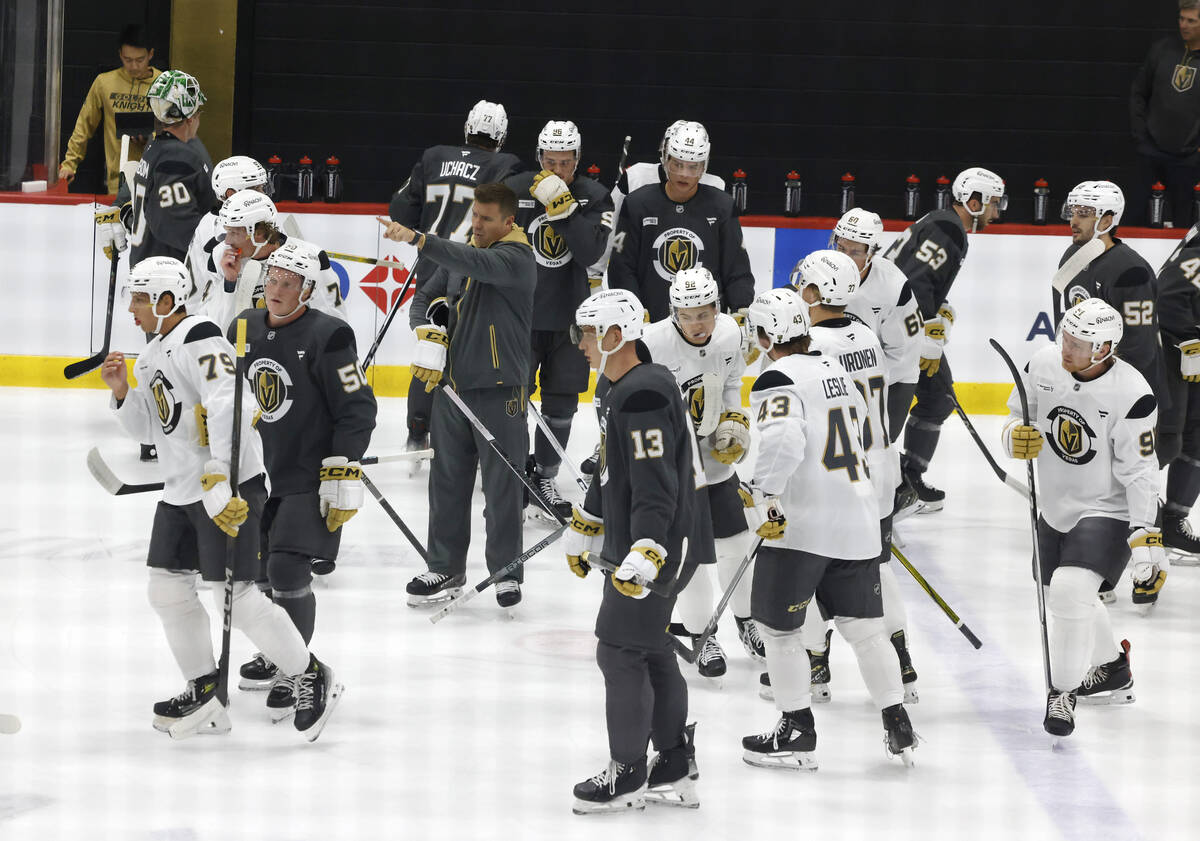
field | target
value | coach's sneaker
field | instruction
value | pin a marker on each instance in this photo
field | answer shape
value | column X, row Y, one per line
column 195, row 710
column 258, row 675
column 1177, row 535
column 430, row 587
column 317, row 693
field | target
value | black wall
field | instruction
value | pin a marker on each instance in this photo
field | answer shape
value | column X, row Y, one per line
column 1029, row 89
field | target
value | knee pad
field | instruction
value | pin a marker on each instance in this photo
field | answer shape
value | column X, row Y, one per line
column 783, row 642
column 1072, row 592
column 856, row 631
column 289, row 571
column 167, row 590
column 559, row 409
column 250, row 606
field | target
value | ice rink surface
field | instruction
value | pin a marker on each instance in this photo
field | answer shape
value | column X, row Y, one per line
column 479, row 726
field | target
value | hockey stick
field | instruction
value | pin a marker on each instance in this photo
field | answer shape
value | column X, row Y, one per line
column 558, row 448
column 78, row 369
column 235, row 452
column 109, row 480
column 391, row 512
column 9, row 724
column 690, row 654
column 1012, row 482
column 938, row 600
column 372, row 261
column 1033, row 511
column 498, row 574
column 665, row 590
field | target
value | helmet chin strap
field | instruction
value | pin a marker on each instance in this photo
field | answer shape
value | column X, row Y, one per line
column 302, row 301
column 1096, row 232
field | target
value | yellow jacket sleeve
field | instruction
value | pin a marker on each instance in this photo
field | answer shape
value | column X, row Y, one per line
column 85, row 125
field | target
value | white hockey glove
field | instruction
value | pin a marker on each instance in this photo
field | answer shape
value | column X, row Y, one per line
column 732, row 438
column 931, row 346
column 553, row 192
column 946, row 314
column 642, row 564
column 430, row 358
column 1021, row 441
column 750, row 348
column 584, row 535
column 226, row 510
column 110, row 233
column 767, row 510
column 1189, row 361
column 341, row 490
column 1149, row 560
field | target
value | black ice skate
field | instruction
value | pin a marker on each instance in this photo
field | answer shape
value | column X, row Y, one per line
column 281, row 700
column 559, row 509
column 588, row 467
column 710, row 657
column 508, row 593
column 790, row 745
column 258, row 675
column 1111, row 683
column 751, row 639
column 616, row 788
column 317, row 693
column 898, row 733
column 195, row 710
column 673, row 774
column 1060, row 714
column 930, row 499
column 908, row 675
column 818, row 664
column 432, row 587
column 1182, row 545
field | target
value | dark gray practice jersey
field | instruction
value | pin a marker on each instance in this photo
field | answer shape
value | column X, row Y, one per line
column 1179, row 294
column 657, row 237
column 1121, row 277
column 930, row 253
column 563, row 250
column 172, row 190
column 314, row 400
column 439, row 192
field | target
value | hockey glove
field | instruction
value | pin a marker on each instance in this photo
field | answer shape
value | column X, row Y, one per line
column 438, row 312
column 553, row 192
column 931, row 346
column 583, row 536
column 110, row 233
column 430, row 358
column 732, row 438
column 750, row 348
column 226, row 510
column 766, row 509
column 1149, row 561
column 642, row 564
column 1189, row 360
column 1021, row 441
column 341, row 490
column 946, row 314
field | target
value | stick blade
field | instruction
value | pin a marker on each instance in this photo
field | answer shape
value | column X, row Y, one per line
column 83, row 366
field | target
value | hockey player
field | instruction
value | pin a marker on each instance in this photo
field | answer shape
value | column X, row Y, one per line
column 317, row 414
column 702, row 348
column 1098, row 496
column 885, row 303
column 640, row 510
column 811, row 489
column 228, row 177
column 930, row 253
column 680, row 224
column 436, row 199
column 568, row 219
column 184, row 403
column 483, row 352
column 1179, row 426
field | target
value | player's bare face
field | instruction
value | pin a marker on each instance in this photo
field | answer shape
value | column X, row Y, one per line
column 136, row 61
column 697, row 323
column 1189, row 26
column 238, row 239
column 1083, row 224
column 1077, row 355
column 145, row 315
column 488, row 224
column 591, row 348
column 991, row 212
column 283, row 290
column 683, row 178
column 856, row 251
column 561, row 164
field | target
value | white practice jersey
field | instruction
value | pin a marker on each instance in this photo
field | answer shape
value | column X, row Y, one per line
column 634, row 178
column 709, row 376
column 192, row 365
column 1098, row 457
column 885, row 303
column 207, row 230
column 810, row 455
column 857, row 348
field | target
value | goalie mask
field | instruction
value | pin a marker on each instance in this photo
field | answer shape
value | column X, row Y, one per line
column 780, row 313
column 833, row 273
column 1095, row 322
column 237, row 173
column 245, row 209
column 157, row 276
column 175, row 96
column 487, row 118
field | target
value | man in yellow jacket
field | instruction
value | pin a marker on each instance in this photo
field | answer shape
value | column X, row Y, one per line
column 117, row 92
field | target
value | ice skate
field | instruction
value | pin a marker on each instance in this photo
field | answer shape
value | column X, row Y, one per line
column 317, row 693
column 434, row 587
column 751, row 639
column 588, row 466
column 281, row 700
column 898, row 733
column 547, row 488
column 508, row 595
column 818, row 663
column 258, row 675
column 908, row 675
column 789, row 745
column 1060, row 715
column 1110, row 683
column 195, row 710
column 615, row 789
column 415, row 443
column 929, row 498
column 1183, row 547
column 710, row 658
column 673, row 774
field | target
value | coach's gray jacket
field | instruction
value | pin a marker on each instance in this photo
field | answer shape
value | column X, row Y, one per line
column 490, row 294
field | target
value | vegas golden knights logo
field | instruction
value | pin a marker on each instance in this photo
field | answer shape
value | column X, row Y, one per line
column 165, row 405
column 696, row 406
column 550, row 243
column 514, row 406
column 677, row 255
column 272, row 388
column 550, row 248
column 268, row 390
column 1070, row 437
column 1183, row 78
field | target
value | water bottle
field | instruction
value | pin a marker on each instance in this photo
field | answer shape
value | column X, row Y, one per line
column 273, row 164
column 941, row 194
column 738, row 190
column 847, row 193
column 1041, row 201
column 791, row 194
column 912, row 197
column 593, row 172
column 333, row 180
column 304, row 180
column 1158, row 200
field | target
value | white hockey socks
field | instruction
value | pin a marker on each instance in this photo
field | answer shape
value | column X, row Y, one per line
column 895, row 617
column 1071, row 601
column 731, row 551
column 877, row 660
column 185, row 621
column 266, row 624
column 814, row 627
column 787, row 663
column 695, row 602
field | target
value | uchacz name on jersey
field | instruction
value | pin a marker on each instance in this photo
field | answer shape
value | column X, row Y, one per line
column 461, row 169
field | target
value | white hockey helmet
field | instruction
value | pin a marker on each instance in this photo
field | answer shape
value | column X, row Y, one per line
column 833, row 273
column 689, row 142
column 662, row 144
column 1102, row 197
column 1093, row 320
column 559, row 136
column 237, row 173
column 175, row 96
column 156, row 276
column 302, row 258
column 245, row 209
column 607, row 309
column 858, row 225
column 487, row 118
column 695, row 287
column 780, row 313
column 986, row 183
